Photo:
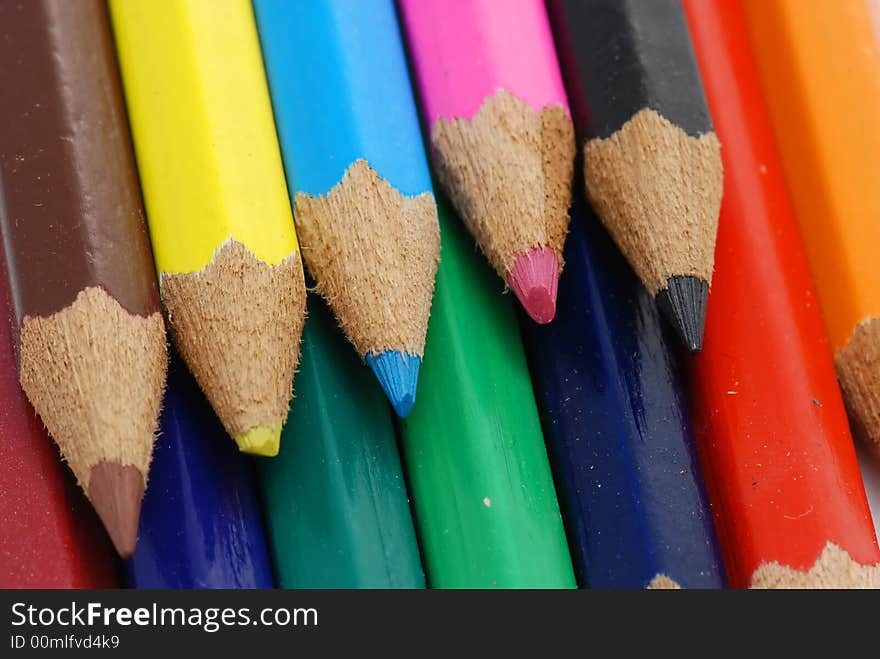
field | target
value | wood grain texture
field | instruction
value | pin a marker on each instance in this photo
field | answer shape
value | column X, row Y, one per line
column 658, row 190
column 249, row 309
column 508, row 170
column 374, row 255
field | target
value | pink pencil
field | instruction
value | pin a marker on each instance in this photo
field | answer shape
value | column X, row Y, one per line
column 501, row 132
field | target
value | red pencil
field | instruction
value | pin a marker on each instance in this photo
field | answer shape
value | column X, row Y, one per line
column 49, row 535
column 772, row 433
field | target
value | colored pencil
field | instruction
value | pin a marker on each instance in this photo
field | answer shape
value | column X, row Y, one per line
column 230, row 274
column 652, row 163
column 826, row 113
column 501, row 132
column 358, row 174
column 614, row 414
column 91, row 338
column 49, row 537
column 780, row 467
column 335, row 499
column 201, row 525
column 479, row 476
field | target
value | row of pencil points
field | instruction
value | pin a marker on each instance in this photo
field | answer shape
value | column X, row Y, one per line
column 483, row 495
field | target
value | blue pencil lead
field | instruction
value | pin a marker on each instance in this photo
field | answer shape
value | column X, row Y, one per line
column 398, row 373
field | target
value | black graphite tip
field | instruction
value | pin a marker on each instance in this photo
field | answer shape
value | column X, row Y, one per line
column 683, row 302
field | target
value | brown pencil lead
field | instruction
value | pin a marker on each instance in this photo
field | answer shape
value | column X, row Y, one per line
column 116, row 492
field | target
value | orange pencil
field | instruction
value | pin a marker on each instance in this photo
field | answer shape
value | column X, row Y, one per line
column 820, row 65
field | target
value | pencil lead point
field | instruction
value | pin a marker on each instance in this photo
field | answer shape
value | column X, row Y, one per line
column 683, row 301
column 116, row 491
column 534, row 278
column 398, row 373
column 260, row 440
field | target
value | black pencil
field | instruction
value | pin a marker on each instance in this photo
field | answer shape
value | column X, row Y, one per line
column 652, row 162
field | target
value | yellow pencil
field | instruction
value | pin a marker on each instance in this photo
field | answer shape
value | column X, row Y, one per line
column 223, row 236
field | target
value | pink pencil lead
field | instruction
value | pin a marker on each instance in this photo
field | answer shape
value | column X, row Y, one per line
column 533, row 279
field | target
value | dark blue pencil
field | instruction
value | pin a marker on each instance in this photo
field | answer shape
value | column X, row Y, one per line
column 200, row 523
column 617, row 429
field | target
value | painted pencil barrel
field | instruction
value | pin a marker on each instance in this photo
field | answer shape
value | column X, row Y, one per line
column 772, row 434
column 358, row 174
column 483, row 494
column 335, row 499
column 201, row 525
column 624, row 455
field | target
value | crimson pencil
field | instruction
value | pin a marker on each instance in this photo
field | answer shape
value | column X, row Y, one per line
column 772, row 433
column 49, row 537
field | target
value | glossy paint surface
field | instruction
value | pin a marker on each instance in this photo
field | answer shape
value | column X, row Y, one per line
column 70, row 206
column 483, row 495
column 621, row 56
column 341, row 92
column 465, row 51
column 617, row 427
column 826, row 113
column 772, row 433
column 335, row 499
column 201, row 525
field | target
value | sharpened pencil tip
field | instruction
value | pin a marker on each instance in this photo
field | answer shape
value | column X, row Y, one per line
column 398, row 373
column 683, row 301
column 116, row 491
column 260, row 440
column 534, row 278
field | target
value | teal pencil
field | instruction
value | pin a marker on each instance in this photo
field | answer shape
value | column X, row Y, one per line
column 335, row 500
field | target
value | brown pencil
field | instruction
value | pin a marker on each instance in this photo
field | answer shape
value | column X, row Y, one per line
column 92, row 351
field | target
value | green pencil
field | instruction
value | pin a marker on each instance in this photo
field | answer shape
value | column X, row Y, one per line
column 481, row 485
column 335, row 499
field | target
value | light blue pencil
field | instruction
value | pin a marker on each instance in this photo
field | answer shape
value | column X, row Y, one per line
column 358, row 174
